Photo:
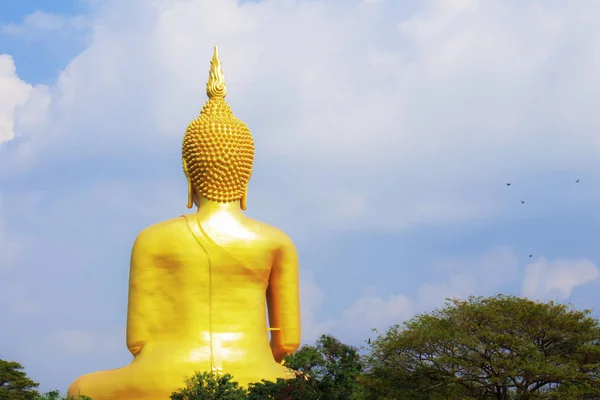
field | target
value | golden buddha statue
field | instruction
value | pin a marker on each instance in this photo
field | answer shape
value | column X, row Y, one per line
column 199, row 283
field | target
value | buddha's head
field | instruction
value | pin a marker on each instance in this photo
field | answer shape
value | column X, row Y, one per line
column 218, row 149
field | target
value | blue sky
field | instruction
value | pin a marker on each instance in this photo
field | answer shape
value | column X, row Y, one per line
column 385, row 136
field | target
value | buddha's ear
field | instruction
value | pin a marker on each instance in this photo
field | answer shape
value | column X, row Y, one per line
column 244, row 199
column 190, row 202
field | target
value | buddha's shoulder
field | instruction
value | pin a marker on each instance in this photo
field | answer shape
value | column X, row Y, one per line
column 174, row 229
column 271, row 233
column 162, row 231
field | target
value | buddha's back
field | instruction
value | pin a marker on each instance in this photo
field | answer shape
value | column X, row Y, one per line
column 198, row 285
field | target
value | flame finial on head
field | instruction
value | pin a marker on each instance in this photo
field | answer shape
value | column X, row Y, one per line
column 215, row 87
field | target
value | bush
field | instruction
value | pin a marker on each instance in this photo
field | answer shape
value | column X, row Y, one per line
column 210, row 386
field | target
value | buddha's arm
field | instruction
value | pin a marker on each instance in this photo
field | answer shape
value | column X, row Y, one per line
column 283, row 302
column 137, row 307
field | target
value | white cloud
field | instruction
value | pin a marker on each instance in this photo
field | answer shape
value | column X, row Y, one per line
column 311, row 300
column 557, row 280
column 43, row 22
column 484, row 275
column 481, row 275
column 372, row 102
column 14, row 298
column 13, row 94
column 371, row 311
column 9, row 246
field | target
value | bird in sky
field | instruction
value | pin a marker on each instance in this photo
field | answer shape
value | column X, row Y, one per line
column 531, row 255
column 522, row 201
column 577, row 181
column 508, row 184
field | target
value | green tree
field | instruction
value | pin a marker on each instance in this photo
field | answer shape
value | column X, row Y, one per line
column 502, row 347
column 288, row 389
column 328, row 370
column 55, row 395
column 14, row 383
column 210, row 386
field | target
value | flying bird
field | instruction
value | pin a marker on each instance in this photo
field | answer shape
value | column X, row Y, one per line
column 522, row 201
column 531, row 255
column 508, row 184
column 577, row 181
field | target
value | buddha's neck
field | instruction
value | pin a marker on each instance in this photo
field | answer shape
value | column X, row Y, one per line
column 206, row 206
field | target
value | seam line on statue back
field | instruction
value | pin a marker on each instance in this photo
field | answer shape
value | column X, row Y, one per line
column 210, row 311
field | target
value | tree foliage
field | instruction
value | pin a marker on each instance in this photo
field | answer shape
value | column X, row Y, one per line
column 14, row 383
column 55, row 395
column 210, row 386
column 328, row 370
column 501, row 347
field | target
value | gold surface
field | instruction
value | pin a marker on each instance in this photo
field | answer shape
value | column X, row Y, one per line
column 199, row 283
column 218, row 149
